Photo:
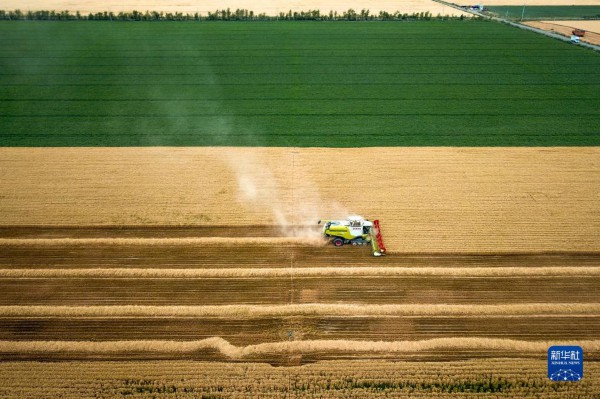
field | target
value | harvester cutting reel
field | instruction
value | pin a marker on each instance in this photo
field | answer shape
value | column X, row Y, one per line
column 355, row 231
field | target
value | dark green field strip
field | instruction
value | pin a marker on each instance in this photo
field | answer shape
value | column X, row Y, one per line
column 228, row 72
column 541, row 12
column 308, row 59
column 40, row 64
column 345, row 130
column 284, row 56
column 190, row 35
column 294, row 84
column 302, row 94
column 249, row 108
column 253, row 79
column 274, row 291
column 289, row 35
column 197, row 75
column 241, row 331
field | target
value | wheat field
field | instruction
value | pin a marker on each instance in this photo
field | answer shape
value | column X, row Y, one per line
column 489, row 378
column 201, row 272
column 445, row 200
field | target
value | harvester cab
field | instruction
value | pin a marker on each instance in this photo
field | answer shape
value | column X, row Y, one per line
column 355, row 231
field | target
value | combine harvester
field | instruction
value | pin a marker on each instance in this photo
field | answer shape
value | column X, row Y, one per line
column 356, row 231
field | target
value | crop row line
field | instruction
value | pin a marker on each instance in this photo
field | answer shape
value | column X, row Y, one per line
column 312, row 99
column 349, row 271
column 554, row 55
column 307, row 73
column 302, row 114
column 495, row 63
column 281, row 84
column 287, row 134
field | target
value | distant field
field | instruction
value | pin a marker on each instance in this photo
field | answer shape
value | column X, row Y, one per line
column 565, row 27
column 547, row 12
column 591, row 27
column 270, row 7
column 542, row 3
column 293, row 84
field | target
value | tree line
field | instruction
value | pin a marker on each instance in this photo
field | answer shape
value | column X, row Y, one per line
column 220, row 15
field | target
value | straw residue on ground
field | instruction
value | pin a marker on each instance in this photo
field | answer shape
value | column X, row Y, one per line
column 312, row 309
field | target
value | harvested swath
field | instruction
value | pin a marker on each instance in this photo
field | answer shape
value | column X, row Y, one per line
column 198, row 241
column 289, row 347
column 243, row 257
column 311, row 309
column 285, row 290
column 254, row 330
column 300, row 272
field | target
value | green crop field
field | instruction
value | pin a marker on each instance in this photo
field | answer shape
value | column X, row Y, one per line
column 547, row 12
column 455, row 83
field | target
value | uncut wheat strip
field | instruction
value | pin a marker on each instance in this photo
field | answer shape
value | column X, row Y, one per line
column 270, row 348
column 300, row 272
column 310, row 309
column 221, row 241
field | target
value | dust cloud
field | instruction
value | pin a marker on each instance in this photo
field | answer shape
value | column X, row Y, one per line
column 295, row 202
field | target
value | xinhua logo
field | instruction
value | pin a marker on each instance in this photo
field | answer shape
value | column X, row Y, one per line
column 565, row 363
